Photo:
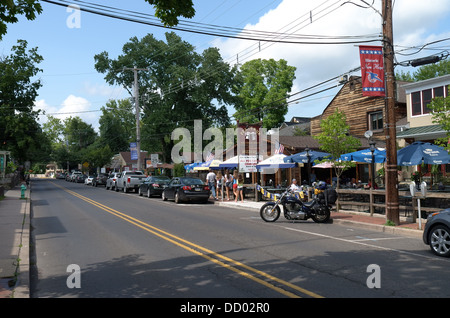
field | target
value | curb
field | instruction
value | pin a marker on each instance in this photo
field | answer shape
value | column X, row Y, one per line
column 22, row 287
column 374, row 227
column 381, row 228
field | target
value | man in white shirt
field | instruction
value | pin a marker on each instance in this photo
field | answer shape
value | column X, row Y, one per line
column 211, row 180
column 294, row 186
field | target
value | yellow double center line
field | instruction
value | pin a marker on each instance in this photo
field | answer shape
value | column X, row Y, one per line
column 204, row 252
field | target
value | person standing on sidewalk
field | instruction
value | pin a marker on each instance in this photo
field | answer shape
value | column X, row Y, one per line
column 219, row 182
column 211, row 180
column 235, row 184
column 228, row 183
column 240, row 188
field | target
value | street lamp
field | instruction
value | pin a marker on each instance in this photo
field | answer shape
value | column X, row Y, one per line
column 368, row 134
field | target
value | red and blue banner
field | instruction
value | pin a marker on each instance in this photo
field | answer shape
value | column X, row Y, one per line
column 372, row 70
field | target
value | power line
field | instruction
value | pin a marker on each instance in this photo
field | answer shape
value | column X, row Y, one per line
column 214, row 30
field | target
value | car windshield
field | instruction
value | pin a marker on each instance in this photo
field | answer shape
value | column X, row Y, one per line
column 160, row 179
column 191, row 181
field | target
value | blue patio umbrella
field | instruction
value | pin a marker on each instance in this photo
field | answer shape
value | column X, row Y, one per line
column 365, row 156
column 303, row 158
column 191, row 166
column 422, row 152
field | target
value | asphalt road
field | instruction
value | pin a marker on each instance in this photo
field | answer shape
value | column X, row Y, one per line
column 92, row 242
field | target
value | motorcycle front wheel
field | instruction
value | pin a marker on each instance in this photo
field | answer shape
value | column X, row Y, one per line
column 268, row 213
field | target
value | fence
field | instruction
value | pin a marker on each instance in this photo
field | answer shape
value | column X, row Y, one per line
column 373, row 201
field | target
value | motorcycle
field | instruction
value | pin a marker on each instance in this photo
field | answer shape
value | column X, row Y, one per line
column 294, row 208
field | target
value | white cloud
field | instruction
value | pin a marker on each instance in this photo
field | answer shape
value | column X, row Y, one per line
column 102, row 90
column 72, row 106
column 316, row 63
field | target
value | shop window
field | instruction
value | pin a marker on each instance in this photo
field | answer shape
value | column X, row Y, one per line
column 376, row 121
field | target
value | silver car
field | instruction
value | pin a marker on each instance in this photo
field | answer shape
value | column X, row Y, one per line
column 437, row 232
column 111, row 181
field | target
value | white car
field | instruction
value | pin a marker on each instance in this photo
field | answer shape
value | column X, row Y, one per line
column 88, row 180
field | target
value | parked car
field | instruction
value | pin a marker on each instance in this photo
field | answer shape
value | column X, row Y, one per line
column 80, row 178
column 186, row 189
column 88, row 180
column 437, row 232
column 111, row 181
column 72, row 177
column 128, row 180
column 61, row 175
column 153, row 185
column 100, row 180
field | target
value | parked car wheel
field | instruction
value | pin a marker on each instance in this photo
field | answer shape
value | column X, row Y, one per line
column 164, row 196
column 439, row 239
column 177, row 198
column 149, row 193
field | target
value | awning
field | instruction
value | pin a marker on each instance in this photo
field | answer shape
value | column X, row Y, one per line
column 274, row 162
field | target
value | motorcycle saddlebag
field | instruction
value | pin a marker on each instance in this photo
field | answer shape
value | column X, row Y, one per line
column 330, row 196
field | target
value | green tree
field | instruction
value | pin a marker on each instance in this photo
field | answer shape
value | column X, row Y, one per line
column 78, row 134
column 180, row 86
column 426, row 72
column 54, row 129
column 440, row 110
column 19, row 130
column 335, row 139
column 11, row 9
column 169, row 10
column 118, row 125
column 262, row 87
column 96, row 155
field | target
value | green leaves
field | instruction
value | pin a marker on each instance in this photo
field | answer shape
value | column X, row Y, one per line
column 335, row 139
column 19, row 130
column 169, row 10
column 10, row 10
column 262, row 87
column 440, row 108
column 180, row 86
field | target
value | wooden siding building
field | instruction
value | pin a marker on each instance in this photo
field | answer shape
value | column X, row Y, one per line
column 363, row 113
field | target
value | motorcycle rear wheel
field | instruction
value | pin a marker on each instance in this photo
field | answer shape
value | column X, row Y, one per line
column 323, row 217
column 269, row 214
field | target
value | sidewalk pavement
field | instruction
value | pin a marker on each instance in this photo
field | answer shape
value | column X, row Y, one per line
column 14, row 244
column 15, row 236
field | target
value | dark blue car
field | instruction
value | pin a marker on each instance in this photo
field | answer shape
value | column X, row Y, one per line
column 153, row 185
column 186, row 189
column 437, row 232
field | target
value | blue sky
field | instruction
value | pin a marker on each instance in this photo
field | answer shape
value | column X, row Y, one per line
column 72, row 87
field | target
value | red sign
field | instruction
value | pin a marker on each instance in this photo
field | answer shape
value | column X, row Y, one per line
column 372, row 70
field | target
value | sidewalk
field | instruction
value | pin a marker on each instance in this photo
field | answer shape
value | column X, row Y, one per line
column 359, row 219
column 14, row 244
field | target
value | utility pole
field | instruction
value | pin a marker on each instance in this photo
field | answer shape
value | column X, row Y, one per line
column 136, row 104
column 392, row 207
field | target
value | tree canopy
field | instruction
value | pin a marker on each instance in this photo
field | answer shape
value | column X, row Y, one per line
column 426, row 72
column 262, row 87
column 11, row 9
column 169, row 10
column 19, row 130
column 335, row 139
column 180, row 86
